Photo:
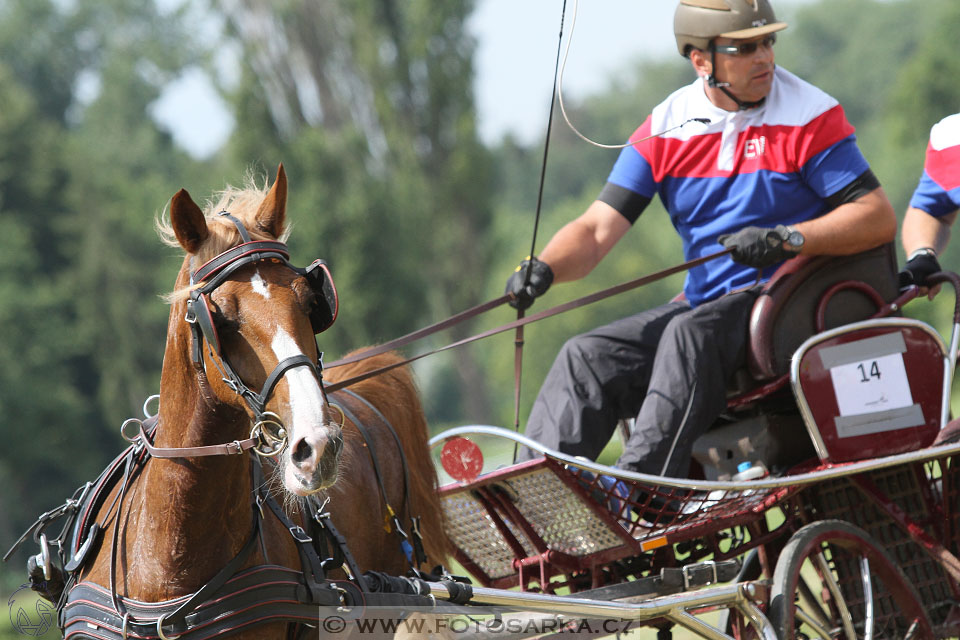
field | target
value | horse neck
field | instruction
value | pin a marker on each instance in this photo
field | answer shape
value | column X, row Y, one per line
column 200, row 508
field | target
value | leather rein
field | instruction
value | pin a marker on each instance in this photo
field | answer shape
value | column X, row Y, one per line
column 492, row 304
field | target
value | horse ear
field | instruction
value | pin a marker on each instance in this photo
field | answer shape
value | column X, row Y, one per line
column 272, row 212
column 189, row 223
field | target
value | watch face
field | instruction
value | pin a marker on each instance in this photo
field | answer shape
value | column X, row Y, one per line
column 795, row 239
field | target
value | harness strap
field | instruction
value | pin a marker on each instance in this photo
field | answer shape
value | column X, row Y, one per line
column 310, row 562
column 214, row 272
column 228, row 448
column 341, row 553
column 128, row 470
column 239, row 225
column 299, row 360
column 371, row 448
column 396, row 343
column 540, row 315
column 254, row 596
column 416, row 555
column 177, row 619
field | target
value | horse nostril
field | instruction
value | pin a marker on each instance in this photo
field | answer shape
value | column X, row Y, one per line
column 301, row 452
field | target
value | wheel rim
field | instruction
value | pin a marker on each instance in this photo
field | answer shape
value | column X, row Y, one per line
column 833, row 582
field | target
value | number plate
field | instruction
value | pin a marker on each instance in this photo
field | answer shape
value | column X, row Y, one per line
column 872, row 385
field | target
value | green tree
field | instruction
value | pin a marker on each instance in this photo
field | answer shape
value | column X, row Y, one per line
column 370, row 105
column 80, row 182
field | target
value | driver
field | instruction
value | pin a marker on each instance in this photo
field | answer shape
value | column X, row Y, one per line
column 776, row 173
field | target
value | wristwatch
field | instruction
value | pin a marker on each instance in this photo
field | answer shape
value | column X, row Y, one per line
column 794, row 238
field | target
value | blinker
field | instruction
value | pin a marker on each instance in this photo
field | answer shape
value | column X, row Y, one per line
column 325, row 305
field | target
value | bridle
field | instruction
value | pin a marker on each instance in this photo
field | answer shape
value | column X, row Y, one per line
column 268, row 436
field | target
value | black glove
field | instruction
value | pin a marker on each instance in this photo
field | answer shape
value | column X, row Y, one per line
column 921, row 265
column 541, row 276
column 758, row 247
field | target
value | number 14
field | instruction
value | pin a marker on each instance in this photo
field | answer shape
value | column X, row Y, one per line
column 873, row 372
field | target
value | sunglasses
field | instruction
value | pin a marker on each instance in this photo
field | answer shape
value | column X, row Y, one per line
column 747, row 48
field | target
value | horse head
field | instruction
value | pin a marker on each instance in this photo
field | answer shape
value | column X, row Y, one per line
column 244, row 320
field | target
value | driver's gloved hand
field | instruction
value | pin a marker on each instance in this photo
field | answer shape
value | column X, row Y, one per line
column 920, row 266
column 758, row 247
column 541, row 277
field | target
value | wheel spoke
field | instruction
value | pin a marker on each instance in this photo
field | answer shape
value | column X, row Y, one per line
column 813, row 623
column 826, row 574
column 868, row 617
column 813, row 605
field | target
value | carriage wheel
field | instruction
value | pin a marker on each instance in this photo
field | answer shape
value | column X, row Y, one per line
column 832, row 580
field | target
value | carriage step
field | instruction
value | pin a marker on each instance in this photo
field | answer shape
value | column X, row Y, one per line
column 670, row 580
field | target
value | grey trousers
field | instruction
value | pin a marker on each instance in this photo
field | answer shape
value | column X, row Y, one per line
column 668, row 367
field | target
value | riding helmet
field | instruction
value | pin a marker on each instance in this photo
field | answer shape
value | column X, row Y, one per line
column 697, row 22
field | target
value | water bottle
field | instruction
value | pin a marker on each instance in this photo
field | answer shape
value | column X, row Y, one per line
column 748, row 470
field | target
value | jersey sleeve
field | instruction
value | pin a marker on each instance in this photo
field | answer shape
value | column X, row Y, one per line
column 633, row 169
column 938, row 192
column 631, row 184
column 828, row 156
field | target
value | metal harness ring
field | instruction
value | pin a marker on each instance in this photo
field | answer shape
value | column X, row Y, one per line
column 123, row 429
column 343, row 416
column 146, row 405
column 160, row 632
column 271, row 440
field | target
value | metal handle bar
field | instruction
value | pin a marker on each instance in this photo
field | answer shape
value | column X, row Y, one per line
column 951, row 365
column 831, row 470
column 673, row 607
column 954, row 280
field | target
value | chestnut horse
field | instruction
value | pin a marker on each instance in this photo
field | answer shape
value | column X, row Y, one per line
column 172, row 526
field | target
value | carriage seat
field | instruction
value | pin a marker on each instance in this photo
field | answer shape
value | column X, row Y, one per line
column 810, row 294
column 805, row 296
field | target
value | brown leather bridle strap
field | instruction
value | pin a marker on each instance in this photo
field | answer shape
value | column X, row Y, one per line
column 541, row 315
column 227, row 448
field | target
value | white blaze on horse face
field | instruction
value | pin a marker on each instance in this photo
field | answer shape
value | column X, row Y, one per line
column 306, row 430
column 260, row 285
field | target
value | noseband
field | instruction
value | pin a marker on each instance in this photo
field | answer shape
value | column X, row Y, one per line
column 210, row 276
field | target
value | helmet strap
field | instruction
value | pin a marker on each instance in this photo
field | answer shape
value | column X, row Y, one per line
column 742, row 105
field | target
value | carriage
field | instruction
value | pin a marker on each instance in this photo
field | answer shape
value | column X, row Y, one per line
column 847, row 527
column 822, row 505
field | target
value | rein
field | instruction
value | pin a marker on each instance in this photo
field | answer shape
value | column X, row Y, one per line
column 520, row 322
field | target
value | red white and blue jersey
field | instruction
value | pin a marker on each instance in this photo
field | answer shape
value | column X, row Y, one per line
column 775, row 164
column 939, row 190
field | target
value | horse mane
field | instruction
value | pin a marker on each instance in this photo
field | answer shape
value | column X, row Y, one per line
column 395, row 394
column 242, row 203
